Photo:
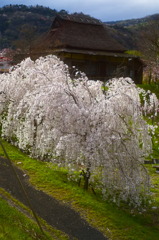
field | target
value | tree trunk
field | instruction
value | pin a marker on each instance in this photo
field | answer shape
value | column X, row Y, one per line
column 86, row 174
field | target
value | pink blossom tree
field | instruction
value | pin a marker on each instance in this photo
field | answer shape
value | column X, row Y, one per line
column 78, row 123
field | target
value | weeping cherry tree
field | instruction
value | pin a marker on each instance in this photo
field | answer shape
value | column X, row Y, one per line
column 97, row 130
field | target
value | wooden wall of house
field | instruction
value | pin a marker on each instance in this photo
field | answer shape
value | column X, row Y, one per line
column 99, row 67
column 105, row 67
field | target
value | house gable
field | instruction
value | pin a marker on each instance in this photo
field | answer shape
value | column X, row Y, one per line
column 87, row 43
column 68, row 32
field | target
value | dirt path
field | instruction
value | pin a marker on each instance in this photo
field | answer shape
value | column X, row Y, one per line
column 53, row 212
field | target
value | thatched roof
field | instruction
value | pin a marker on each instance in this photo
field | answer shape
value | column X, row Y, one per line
column 80, row 32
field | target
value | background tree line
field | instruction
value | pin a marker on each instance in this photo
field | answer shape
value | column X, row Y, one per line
column 16, row 19
column 20, row 25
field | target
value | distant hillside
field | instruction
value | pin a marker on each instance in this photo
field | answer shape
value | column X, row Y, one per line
column 19, row 20
column 134, row 22
column 20, row 25
column 128, row 31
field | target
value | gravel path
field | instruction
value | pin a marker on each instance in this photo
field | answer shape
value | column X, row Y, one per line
column 52, row 211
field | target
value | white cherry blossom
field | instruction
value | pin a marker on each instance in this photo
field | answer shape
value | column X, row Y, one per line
column 75, row 123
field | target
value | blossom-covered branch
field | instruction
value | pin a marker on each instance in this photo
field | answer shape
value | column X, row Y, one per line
column 73, row 123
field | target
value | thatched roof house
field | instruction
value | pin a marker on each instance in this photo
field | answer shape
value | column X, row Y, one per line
column 87, row 43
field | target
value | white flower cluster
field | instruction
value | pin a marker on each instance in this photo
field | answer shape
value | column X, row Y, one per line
column 150, row 103
column 76, row 123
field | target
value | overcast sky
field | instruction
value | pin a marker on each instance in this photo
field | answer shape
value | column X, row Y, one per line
column 105, row 10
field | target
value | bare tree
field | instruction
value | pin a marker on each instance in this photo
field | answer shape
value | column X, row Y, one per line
column 27, row 35
column 149, row 46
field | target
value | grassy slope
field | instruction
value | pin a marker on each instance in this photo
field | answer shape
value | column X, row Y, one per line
column 14, row 224
column 152, row 87
column 116, row 223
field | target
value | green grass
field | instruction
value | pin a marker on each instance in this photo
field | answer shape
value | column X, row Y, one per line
column 116, row 223
column 16, row 225
column 154, row 182
column 154, row 88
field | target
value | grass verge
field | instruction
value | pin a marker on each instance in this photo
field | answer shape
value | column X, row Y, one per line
column 154, row 88
column 116, row 223
column 16, row 222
